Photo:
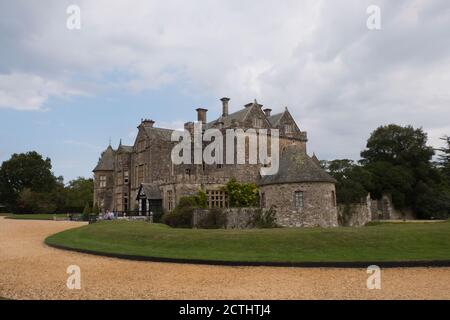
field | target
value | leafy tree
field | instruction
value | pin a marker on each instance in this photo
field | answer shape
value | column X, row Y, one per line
column 401, row 164
column 444, row 159
column 78, row 192
column 25, row 170
column 353, row 181
column 398, row 145
column 242, row 194
column 35, row 202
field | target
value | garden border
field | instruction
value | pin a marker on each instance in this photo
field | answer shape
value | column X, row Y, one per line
column 337, row 264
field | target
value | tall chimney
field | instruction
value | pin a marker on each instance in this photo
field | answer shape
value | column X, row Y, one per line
column 267, row 112
column 201, row 115
column 147, row 123
column 225, row 106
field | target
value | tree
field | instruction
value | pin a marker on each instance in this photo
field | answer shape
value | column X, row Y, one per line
column 401, row 164
column 78, row 192
column 353, row 181
column 35, row 202
column 25, row 170
column 398, row 145
column 444, row 159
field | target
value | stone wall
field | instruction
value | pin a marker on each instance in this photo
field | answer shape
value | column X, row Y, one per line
column 383, row 209
column 236, row 218
column 319, row 206
column 354, row 215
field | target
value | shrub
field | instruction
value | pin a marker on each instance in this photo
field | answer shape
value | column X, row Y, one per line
column 214, row 219
column 264, row 219
column 242, row 194
column 35, row 202
column 86, row 212
column 96, row 209
column 181, row 216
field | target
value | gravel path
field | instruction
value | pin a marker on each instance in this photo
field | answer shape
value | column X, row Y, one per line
column 31, row 270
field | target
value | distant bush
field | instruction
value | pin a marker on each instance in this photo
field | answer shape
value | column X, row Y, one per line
column 181, row 216
column 35, row 202
column 86, row 212
column 264, row 219
column 214, row 219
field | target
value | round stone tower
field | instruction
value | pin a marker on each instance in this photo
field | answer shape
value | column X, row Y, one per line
column 302, row 193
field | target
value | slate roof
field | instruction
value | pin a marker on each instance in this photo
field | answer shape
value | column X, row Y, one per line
column 159, row 133
column 238, row 116
column 275, row 119
column 128, row 149
column 151, row 191
column 297, row 166
column 106, row 161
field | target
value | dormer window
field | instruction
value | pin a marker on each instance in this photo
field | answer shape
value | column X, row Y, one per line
column 288, row 128
column 257, row 123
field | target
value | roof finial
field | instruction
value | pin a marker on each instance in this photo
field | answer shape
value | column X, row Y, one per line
column 256, row 102
column 110, row 141
column 120, row 142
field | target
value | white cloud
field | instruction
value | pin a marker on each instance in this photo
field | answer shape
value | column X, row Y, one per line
column 339, row 79
column 23, row 91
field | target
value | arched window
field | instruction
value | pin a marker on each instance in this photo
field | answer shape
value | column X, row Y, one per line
column 298, row 199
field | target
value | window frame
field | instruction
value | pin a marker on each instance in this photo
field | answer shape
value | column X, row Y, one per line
column 299, row 199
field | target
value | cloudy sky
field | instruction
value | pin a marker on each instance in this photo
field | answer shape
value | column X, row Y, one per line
column 65, row 93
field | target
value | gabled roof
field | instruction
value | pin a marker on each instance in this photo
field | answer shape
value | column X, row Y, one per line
column 275, row 119
column 151, row 191
column 124, row 148
column 106, row 161
column 239, row 115
column 159, row 133
column 296, row 166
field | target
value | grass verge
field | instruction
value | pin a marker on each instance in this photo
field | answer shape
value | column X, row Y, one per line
column 384, row 242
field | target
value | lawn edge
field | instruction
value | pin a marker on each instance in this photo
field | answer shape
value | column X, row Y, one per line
column 342, row 264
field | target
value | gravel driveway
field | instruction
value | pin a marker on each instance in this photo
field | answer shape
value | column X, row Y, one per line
column 31, row 270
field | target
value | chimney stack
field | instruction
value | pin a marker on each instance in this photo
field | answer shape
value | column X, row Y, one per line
column 147, row 123
column 201, row 115
column 225, row 106
column 267, row 112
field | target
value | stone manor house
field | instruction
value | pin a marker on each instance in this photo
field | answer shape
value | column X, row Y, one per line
column 142, row 178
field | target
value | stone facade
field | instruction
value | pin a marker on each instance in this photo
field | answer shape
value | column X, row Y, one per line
column 318, row 209
column 142, row 177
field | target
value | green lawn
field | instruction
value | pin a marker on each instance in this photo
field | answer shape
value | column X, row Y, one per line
column 36, row 216
column 383, row 242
